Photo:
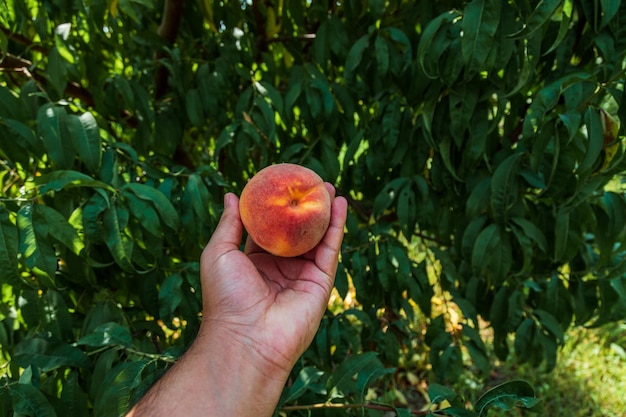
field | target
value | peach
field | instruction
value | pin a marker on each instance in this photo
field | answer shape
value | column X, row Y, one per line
column 286, row 209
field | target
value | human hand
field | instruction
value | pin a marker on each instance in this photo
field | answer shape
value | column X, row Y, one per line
column 269, row 304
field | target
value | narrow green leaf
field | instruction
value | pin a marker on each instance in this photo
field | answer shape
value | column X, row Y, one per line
column 199, row 195
column 115, row 219
column 532, row 231
column 57, row 71
column 407, row 209
column 382, row 55
column 29, row 401
column 306, row 379
column 113, row 398
column 610, row 8
column 427, row 56
column 85, row 136
column 470, row 236
column 615, row 208
column 463, row 100
column 353, row 59
column 478, row 200
column 52, row 125
column 504, row 186
column 107, row 334
column 481, row 19
column 37, row 251
column 566, row 17
column 193, row 104
column 493, row 253
column 170, row 296
column 595, row 140
column 439, row 393
column 398, row 35
column 47, row 355
column 561, row 234
column 342, row 376
column 63, row 179
column 145, row 213
column 75, row 399
column 539, row 16
column 9, row 244
column 23, row 131
column 524, row 336
column 506, row 396
column 59, row 228
column 550, row 323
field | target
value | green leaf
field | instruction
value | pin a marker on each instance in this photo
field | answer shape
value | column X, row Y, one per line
column 524, row 336
column 341, row 378
column 199, row 195
column 107, row 334
column 610, row 8
column 113, row 398
column 427, row 55
column 114, row 220
column 463, row 100
column 438, row 393
column 478, row 200
column 353, row 59
column 492, row 252
column 382, row 55
column 539, row 16
column 550, row 323
column 193, row 104
column 506, row 396
column 480, row 23
column 64, row 179
column 595, row 141
column 170, row 297
column 47, row 355
column 9, row 244
column 59, row 228
column 29, row 401
column 37, row 251
column 615, row 208
column 566, row 17
column 23, row 131
column 75, row 399
column 532, row 231
column 85, row 136
column 52, row 127
column 145, row 213
column 307, row 378
column 57, row 71
column 504, row 186
column 561, row 234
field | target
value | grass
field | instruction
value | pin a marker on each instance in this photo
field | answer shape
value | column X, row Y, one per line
column 589, row 379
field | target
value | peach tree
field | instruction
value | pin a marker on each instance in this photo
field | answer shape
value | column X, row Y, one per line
column 478, row 143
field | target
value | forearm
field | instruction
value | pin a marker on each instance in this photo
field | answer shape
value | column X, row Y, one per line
column 215, row 377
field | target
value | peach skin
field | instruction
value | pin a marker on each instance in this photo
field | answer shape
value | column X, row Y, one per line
column 286, row 209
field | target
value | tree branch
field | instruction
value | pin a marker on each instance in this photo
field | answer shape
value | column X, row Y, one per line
column 25, row 67
column 369, row 406
column 168, row 30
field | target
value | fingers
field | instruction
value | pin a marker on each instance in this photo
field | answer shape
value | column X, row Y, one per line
column 327, row 253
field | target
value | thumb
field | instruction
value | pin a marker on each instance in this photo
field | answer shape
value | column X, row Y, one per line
column 228, row 233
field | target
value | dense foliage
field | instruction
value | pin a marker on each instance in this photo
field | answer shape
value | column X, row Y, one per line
column 478, row 143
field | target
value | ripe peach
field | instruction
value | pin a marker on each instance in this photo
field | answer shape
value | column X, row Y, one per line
column 286, row 209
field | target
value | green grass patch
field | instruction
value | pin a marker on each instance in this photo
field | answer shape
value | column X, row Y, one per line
column 589, row 379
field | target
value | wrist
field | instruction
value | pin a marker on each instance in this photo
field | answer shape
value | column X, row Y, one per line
column 240, row 375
